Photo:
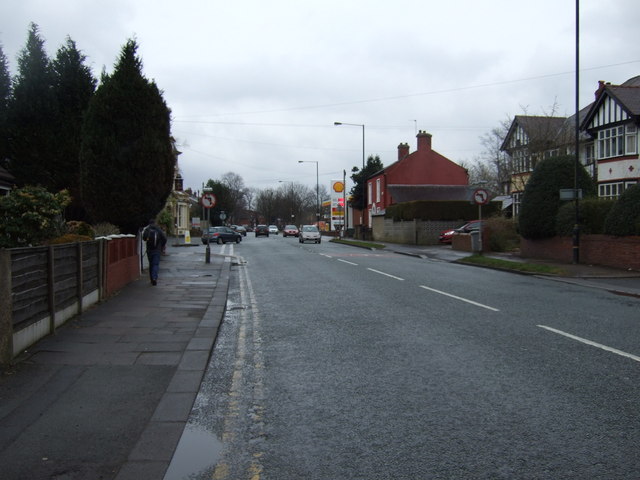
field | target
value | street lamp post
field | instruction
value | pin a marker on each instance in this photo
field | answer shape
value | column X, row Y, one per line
column 364, row 185
column 317, row 190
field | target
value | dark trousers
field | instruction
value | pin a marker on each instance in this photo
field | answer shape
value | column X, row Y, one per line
column 154, row 263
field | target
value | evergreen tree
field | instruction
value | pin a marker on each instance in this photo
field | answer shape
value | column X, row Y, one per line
column 74, row 86
column 32, row 114
column 127, row 158
column 541, row 199
column 5, row 94
column 359, row 178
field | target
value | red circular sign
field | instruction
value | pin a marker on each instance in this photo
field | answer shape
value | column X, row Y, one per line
column 208, row 200
column 480, row 196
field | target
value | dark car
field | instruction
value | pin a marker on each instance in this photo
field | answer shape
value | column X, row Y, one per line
column 240, row 229
column 262, row 230
column 447, row 235
column 220, row 235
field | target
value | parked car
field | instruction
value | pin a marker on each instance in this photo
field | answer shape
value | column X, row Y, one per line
column 290, row 231
column 240, row 229
column 220, row 235
column 262, row 230
column 311, row 233
column 273, row 229
column 447, row 235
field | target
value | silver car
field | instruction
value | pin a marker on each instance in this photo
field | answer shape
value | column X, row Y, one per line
column 310, row 233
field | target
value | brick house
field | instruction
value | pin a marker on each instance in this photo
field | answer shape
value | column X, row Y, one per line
column 414, row 174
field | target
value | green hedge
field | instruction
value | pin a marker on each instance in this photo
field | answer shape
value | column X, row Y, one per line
column 440, row 211
column 624, row 217
column 592, row 215
column 541, row 199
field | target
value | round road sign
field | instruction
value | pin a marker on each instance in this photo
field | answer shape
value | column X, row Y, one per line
column 208, row 200
column 480, row 196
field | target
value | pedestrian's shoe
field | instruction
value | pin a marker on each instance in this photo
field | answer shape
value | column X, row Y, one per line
column 154, row 282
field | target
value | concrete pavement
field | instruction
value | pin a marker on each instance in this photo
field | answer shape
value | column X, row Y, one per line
column 109, row 394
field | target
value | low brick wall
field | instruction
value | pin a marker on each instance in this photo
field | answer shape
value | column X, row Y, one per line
column 122, row 263
column 606, row 250
column 410, row 232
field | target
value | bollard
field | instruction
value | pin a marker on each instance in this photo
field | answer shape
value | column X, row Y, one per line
column 207, row 257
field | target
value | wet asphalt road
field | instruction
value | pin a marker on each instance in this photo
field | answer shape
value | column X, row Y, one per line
column 341, row 363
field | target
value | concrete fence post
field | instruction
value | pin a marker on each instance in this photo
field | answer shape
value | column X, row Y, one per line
column 6, row 308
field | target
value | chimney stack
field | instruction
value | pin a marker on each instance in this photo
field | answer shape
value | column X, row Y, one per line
column 403, row 150
column 424, row 140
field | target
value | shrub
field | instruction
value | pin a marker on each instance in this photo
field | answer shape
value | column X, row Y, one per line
column 503, row 236
column 105, row 229
column 592, row 211
column 541, row 199
column 80, row 228
column 69, row 238
column 31, row 216
column 624, row 217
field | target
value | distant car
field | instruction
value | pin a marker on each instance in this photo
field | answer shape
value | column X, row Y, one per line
column 240, row 229
column 290, row 231
column 447, row 235
column 273, row 229
column 220, row 235
column 262, row 230
column 309, row 233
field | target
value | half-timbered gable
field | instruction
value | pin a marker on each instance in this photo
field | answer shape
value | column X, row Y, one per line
column 612, row 122
column 529, row 140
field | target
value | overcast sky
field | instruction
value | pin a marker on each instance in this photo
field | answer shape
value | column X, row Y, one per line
column 256, row 85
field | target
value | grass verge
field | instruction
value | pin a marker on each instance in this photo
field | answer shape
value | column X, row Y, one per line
column 513, row 266
column 357, row 243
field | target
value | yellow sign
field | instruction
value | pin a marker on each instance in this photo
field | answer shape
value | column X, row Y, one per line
column 338, row 186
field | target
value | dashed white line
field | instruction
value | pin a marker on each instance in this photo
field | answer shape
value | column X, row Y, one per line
column 593, row 344
column 346, row 261
column 385, row 274
column 460, row 298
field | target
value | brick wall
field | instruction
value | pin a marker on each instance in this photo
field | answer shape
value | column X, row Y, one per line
column 617, row 252
column 122, row 263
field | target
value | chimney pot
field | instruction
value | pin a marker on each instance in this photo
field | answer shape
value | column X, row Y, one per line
column 403, row 150
column 424, row 140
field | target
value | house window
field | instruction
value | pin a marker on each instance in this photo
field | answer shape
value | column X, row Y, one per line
column 369, row 196
column 377, row 190
column 517, row 198
column 611, row 190
column 631, row 139
column 611, row 142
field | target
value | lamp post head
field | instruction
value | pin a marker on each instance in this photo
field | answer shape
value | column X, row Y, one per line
column 337, row 123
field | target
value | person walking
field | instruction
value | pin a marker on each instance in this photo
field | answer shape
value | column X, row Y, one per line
column 156, row 241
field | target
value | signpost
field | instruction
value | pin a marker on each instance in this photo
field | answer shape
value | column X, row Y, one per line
column 480, row 197
column 208, row 201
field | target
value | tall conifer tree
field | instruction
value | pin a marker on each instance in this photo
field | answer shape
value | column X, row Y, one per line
column 31, row 115
column 5, row 94
column 74, row 85
column 127, row 159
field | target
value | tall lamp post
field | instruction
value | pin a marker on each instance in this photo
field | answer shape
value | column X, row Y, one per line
column 364, row 185
column 317, row 190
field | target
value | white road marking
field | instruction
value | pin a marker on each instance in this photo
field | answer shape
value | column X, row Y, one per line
column 346, row 261
column 593, row 344
column 386, row 274
column 325, row 255
column 460, row 298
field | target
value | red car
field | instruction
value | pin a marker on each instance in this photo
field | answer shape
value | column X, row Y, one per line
column 447, row 235
column 290, row 231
